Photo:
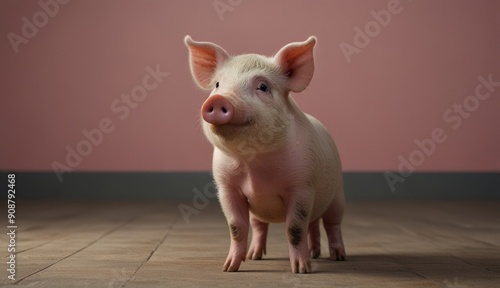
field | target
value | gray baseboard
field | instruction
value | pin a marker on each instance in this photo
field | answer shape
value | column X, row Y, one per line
column 183, row 185
column 424, row 186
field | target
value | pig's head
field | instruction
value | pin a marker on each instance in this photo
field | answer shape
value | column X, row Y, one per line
column 249, row 104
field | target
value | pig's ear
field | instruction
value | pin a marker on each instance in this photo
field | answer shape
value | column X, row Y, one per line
column 204, row 58
column 296, row 60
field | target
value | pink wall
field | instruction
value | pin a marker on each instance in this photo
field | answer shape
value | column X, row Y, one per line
column 396, row 90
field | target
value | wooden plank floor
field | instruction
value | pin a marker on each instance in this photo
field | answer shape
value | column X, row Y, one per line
column 138, row 244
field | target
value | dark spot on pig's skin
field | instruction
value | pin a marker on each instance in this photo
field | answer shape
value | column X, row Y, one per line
column 234, row 230
column 295, row 233
column 248, row 121
column 301, row 213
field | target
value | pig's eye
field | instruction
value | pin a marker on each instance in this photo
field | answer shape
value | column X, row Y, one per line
column 263, row 87
column 217, row 85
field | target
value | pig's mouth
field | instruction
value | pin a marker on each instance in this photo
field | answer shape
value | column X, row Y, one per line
column 231, row 129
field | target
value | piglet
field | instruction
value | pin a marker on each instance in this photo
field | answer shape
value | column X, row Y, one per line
column 271, row 162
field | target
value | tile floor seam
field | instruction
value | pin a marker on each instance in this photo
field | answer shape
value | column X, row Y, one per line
column 169, row 229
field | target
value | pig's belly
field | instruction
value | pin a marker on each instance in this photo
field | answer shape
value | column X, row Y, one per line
column 269, row 209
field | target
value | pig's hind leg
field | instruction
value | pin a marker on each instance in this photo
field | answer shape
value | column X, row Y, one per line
column 332, row 220
column 259, row 235
column 314, row 240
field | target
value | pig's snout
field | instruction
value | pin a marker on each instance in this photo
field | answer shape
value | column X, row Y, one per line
column 217, row 110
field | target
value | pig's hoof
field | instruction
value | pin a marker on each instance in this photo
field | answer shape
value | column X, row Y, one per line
column 300, row 261
column 232, row 263
column 255, row 252
column 337, row 252
column 301, row 266
column 315, row 252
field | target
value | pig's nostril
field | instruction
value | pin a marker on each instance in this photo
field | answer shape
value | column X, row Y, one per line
column 224, row 110
column 211, row 109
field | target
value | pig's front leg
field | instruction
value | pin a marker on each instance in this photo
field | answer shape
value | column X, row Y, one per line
column 235, row 207
column 297, row 221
